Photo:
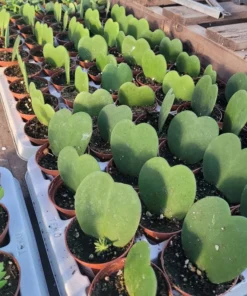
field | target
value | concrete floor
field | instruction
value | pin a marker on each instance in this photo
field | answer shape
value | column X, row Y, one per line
column 10, row 160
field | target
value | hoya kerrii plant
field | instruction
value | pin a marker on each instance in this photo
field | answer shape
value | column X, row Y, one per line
column 76, row 31
column 3, row 273
column 123, row 22
column 4, row 22
column 170, row 49
column 43, row 34
column 98, row 216
column 24, row 72
column 15, row 48
column 132, row 145
column 243, row 203
column 111, row 30
column 58, row 11
column 186, row 64
column 92, row 21
column 117, row 12
column 189, row 136
column 237, row 81
column 154, row 38
column 209, row 71
column 137, row 27
column 226, row 168
column 28, row 13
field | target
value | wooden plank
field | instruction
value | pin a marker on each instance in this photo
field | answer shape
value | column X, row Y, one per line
column 230, row 36
column 188, row 16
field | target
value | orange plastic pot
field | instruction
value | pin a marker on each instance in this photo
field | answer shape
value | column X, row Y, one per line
column 85, row 64
column 6, row 229
column 31, row 139
column 33, row 53
column 96, row 267
column 26, row 31
column 39, row 154
column 12, row 63
column 14, row 78
column 69, row 46
column 53, row 187
column 96, row 78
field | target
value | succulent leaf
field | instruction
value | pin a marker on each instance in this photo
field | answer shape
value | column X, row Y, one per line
column 170, row 49
column 188, row 64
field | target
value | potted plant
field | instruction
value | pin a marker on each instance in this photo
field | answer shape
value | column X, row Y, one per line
column 167, row 194
column 111, row 31
column 56, row 14
column 170, row 49
column 62, row 37
column 154, row 70
column 42, row 35
column 189, row 65
column 154, row 38
column 28, row 15
column 64, row 130
column 120, row 278
column 117, row 50
column 108, row 117
column 237, row 82
column 197, row 262
column 131, row 150
column 72, row 169
column 20, row 87
column 36, row 129
column 92, row 21
column 4, row 216
column 93, row 237
column 114, row 76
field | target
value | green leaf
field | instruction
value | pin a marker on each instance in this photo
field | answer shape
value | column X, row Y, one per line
column 2, row 283
column 90, row 48
column 78, row 33
column 6, row 40
column 137, row 27
column 139, row 276
column 119, row 40
column 2, row 274
column 71, row 28
column 166, row 108
column 111, row 31
column 55, row 56
column 102, row 212
column 209, row 71
column 65, row 20
column 74, row 168
column 28, row 13
column 58, row 11
column 188, row 64
column 170, row 49
column 117, row 12
column 16, row 48
column 243, row 203
column 124, row 23
column 103, row 60
column 23, row 71
column 81, row 80
column 237, row 82
column 153, row 38
column 1, row 194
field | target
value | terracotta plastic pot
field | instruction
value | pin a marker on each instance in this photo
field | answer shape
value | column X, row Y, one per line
column 6, row 229
column 66, row 101
column 183, row 293
column 20, row 23
column 19, row 270
column 96, row 267
column 58, row 87
column 31, row 43
column 49, row 19
column 26, row 117
column 159, row 236
column 13, row 78
column 31, row 139
column 119, row 59
column 33, row 53
column 49, row 72
column 26, row 31
column 14, row 18
column 39, row 154
column 119, row 265
column 154, row 87
column 97, row 78
column 53, row 187
column 10, row 49
column 20, row 96
column 12, row 63
column 85, row 64
column 102, row 156
column 69, row 46
column 60, row 39
column 39, row 15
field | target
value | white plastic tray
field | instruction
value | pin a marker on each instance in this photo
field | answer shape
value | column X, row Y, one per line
column 22, row 243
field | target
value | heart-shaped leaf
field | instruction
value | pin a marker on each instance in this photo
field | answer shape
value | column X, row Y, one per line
column 204, row 96
column 189, row 135
column 167, row 190
column 183, row 86
column 209, row 71
column 28, row 13
column 78, row 33
column 95, row 26
column 124, row 23
column 114, row 76
column 243, row 203
column 81, row 80
column 132, row 145
column 66, row 129
column 103, row 60
column 58, row 11
column 92, row 103
column 90, row 48
column 117, row 12
column 133, row 50
column 74, row 168
column 92, row 14
column 119, row 40
column 238, row 81
column 54, row 56
column 131, row 95
column 71, row 27
column 154, row 66
column 235, row 116
column 102, row 212
column 111, row 31
column 224, row 165
column 153, row 38
column 137, row 27
column 139, row 276
column 109, row 116
column 170, row 49
column 214, row 240
column 166, row 108
column 188, row 64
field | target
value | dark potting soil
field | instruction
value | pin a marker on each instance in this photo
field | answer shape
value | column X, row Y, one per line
column 63, row 37
column 98, row 144
column 159, row 223
column 31, row 40
column 71, row 47
column 36, row 130
column 11, row 42
column 49, row 160
column 148, row 81
column 138, row 111
column 113, row 285
column 121, row 178
column 15, row 71
column 115, row 52
column 60, row 79
column 243, row 138
column 216, row 114
column 3, row 220
column 173, row 160
column 7, row 56
column 69, row 93
column 65, row 197
column 83, row 246
column 12, row 275
column 24, row 106
column 19, row 86
column 160, row 97
column 37, row 52
column 136, row 68
column 221, row 99
column 57, row 27
column 94, row 71
column 186, row 276
column 20, row 21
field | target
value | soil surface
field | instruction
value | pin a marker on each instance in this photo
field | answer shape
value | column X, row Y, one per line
column 138, row 111
column 121, row 178
column 7, row 56
column 63, row 37
column 60, row 79
column 98, row 144
column 113, row 285
column 82, row 246
column 160, row 98
column 69, row 93
column 49, row 160
column 65, row 197
column 115, row 52
column 94, row 71
column 11, row 42
column 148, row 81
column 31, row 40
column 36, row 130
column 186, row 276
column 3, row 219
column 173, row 160
column 136, row 68
column 243, row 138
column 12, row 276
column 35, row 52
column 15, row 71
column 19, row 86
